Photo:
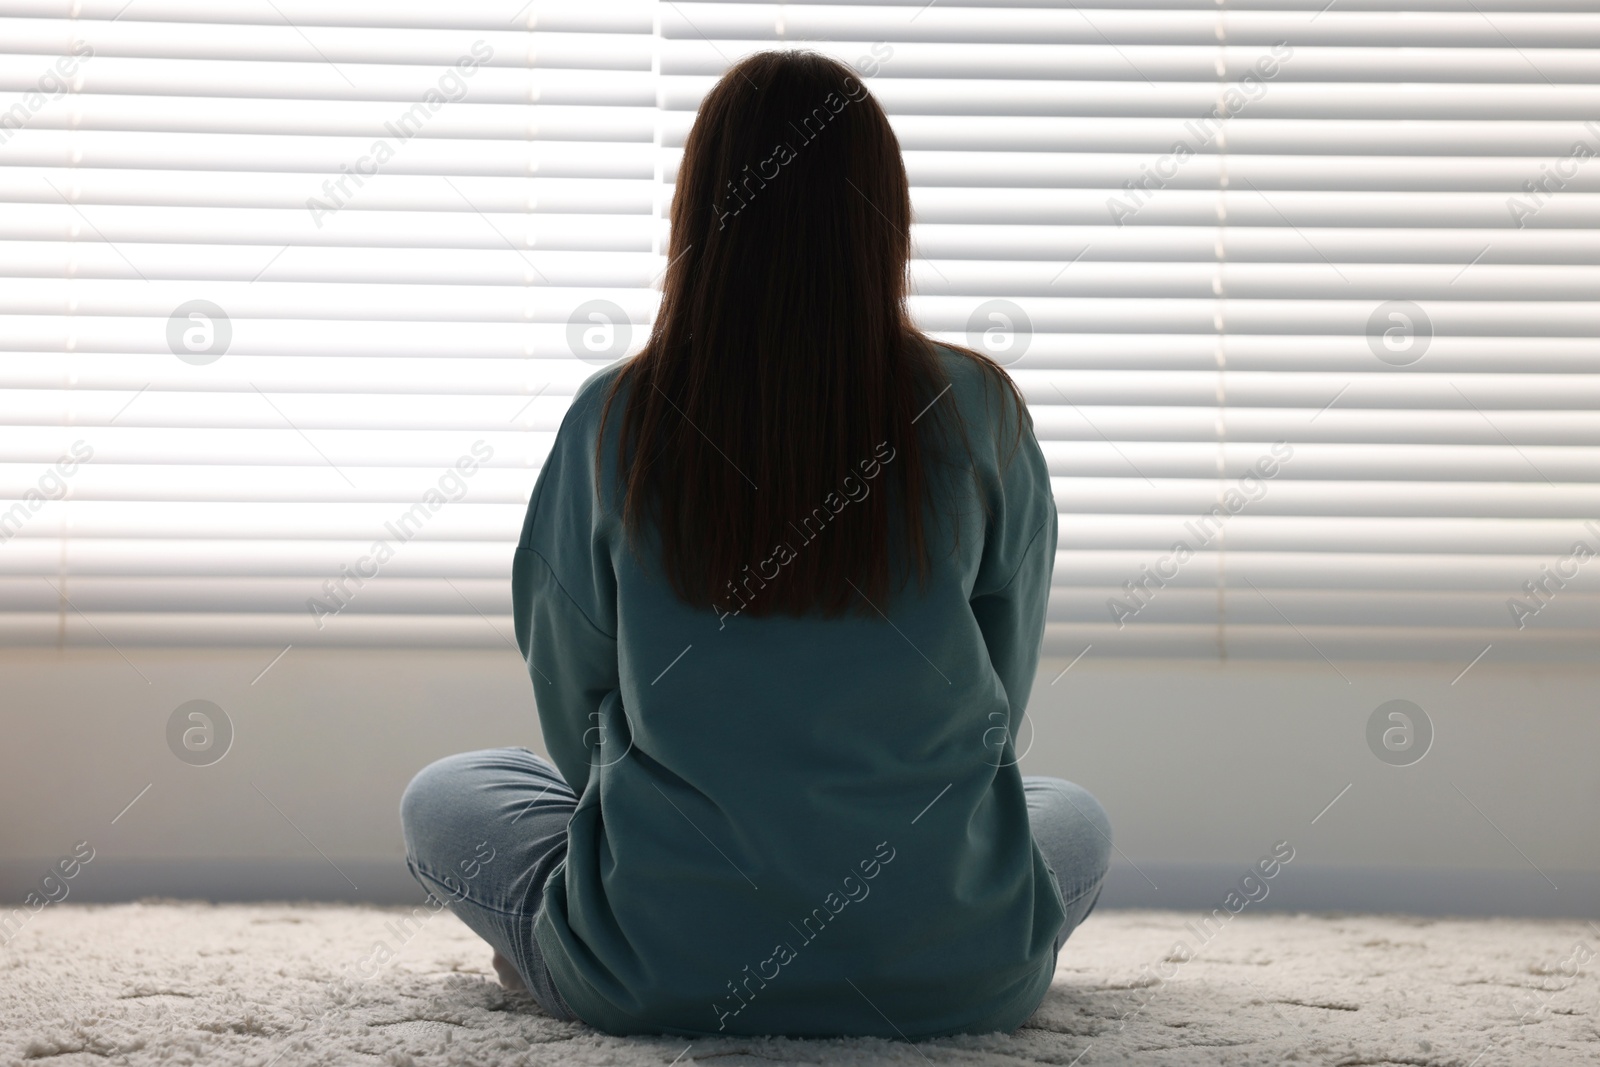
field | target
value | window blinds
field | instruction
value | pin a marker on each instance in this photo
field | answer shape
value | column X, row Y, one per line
column 1301, row 297
column 1300, row 294
column 299, row 275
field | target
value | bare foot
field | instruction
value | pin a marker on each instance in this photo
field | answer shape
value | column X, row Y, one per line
column 507, row 972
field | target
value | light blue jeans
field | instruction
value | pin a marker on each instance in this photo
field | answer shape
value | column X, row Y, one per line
column 483, row 831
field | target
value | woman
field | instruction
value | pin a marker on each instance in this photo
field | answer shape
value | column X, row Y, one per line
column 784, row 796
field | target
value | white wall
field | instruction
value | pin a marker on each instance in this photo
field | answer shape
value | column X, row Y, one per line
column 1202, row 767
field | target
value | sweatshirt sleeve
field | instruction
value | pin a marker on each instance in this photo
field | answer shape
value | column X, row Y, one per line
column 1012, row 619
column 572, row 662
column 563, row 596
column 1011, row 597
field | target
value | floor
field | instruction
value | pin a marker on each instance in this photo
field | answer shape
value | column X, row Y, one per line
column 282, row 985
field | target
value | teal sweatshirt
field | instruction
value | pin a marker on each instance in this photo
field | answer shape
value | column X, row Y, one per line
column 799, row 826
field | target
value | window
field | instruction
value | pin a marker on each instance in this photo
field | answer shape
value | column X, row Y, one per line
column 298, row 287
column 1301, row 296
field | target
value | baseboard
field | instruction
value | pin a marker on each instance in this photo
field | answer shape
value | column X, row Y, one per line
column 113, row 879
column 1300, row 886
column 1200, row 887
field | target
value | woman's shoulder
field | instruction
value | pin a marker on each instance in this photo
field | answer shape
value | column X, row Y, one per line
column 582, row 421
column 590, row 396
column 968, row 368
column 984, row 392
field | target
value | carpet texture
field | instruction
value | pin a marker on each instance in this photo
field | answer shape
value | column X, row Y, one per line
column 165, row 982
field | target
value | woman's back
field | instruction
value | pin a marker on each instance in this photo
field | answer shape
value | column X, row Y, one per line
column 781, row 591
column 798, row 825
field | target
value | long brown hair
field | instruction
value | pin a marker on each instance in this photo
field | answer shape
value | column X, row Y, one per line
column 783, row 366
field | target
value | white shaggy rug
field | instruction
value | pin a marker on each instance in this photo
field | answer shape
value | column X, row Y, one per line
column 166, row 982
